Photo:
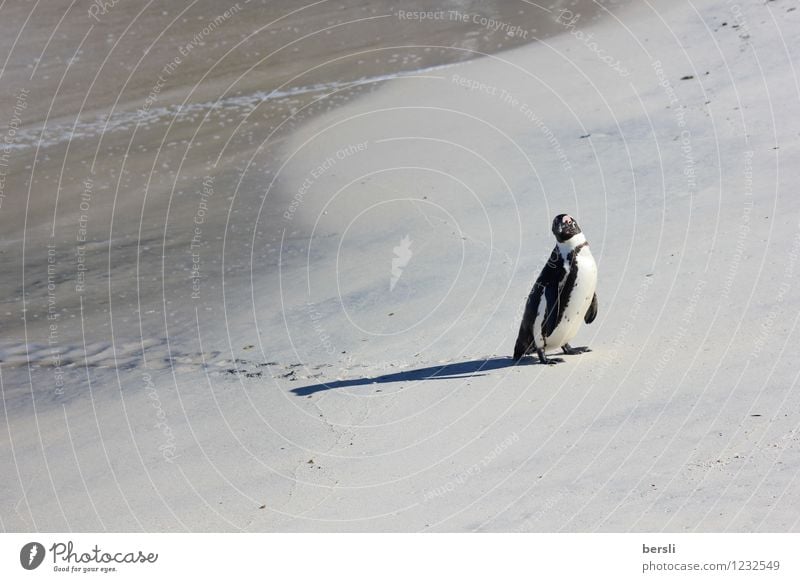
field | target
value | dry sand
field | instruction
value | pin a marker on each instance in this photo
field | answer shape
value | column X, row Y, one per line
column 343, row 365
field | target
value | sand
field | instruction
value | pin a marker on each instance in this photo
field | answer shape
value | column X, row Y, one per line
column 333, row 352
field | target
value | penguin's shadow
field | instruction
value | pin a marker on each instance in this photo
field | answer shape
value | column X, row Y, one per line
column 468, row 369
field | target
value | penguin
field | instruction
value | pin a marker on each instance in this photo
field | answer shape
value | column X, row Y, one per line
column 563, row 295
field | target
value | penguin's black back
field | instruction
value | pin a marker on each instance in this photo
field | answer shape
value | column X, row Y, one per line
column 546, row 289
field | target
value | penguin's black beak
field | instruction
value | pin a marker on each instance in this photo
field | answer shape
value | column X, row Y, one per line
column 565, row 227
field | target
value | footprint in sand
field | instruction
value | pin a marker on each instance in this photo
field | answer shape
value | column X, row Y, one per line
column 152, row 354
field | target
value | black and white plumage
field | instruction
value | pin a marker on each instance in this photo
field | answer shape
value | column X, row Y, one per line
column 562, row 297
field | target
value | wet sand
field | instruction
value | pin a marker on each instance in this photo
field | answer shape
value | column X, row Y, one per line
column 144, row 144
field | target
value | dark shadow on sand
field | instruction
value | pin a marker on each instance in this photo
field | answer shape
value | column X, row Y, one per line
column 469, row 369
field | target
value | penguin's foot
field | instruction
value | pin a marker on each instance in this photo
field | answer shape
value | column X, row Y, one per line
column 570, row 351
column 549, row 361
column 552, row 361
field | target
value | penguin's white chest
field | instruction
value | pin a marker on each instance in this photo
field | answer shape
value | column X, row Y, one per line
column 578, row 300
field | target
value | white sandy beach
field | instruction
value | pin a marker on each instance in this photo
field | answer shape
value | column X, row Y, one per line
column 343, row 362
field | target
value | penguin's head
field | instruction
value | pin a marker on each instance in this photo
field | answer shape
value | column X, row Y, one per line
column 565, row 227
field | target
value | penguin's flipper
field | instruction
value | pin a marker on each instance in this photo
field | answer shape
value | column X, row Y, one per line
column 553, row 310
column 553, row 280
column 591, row 313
